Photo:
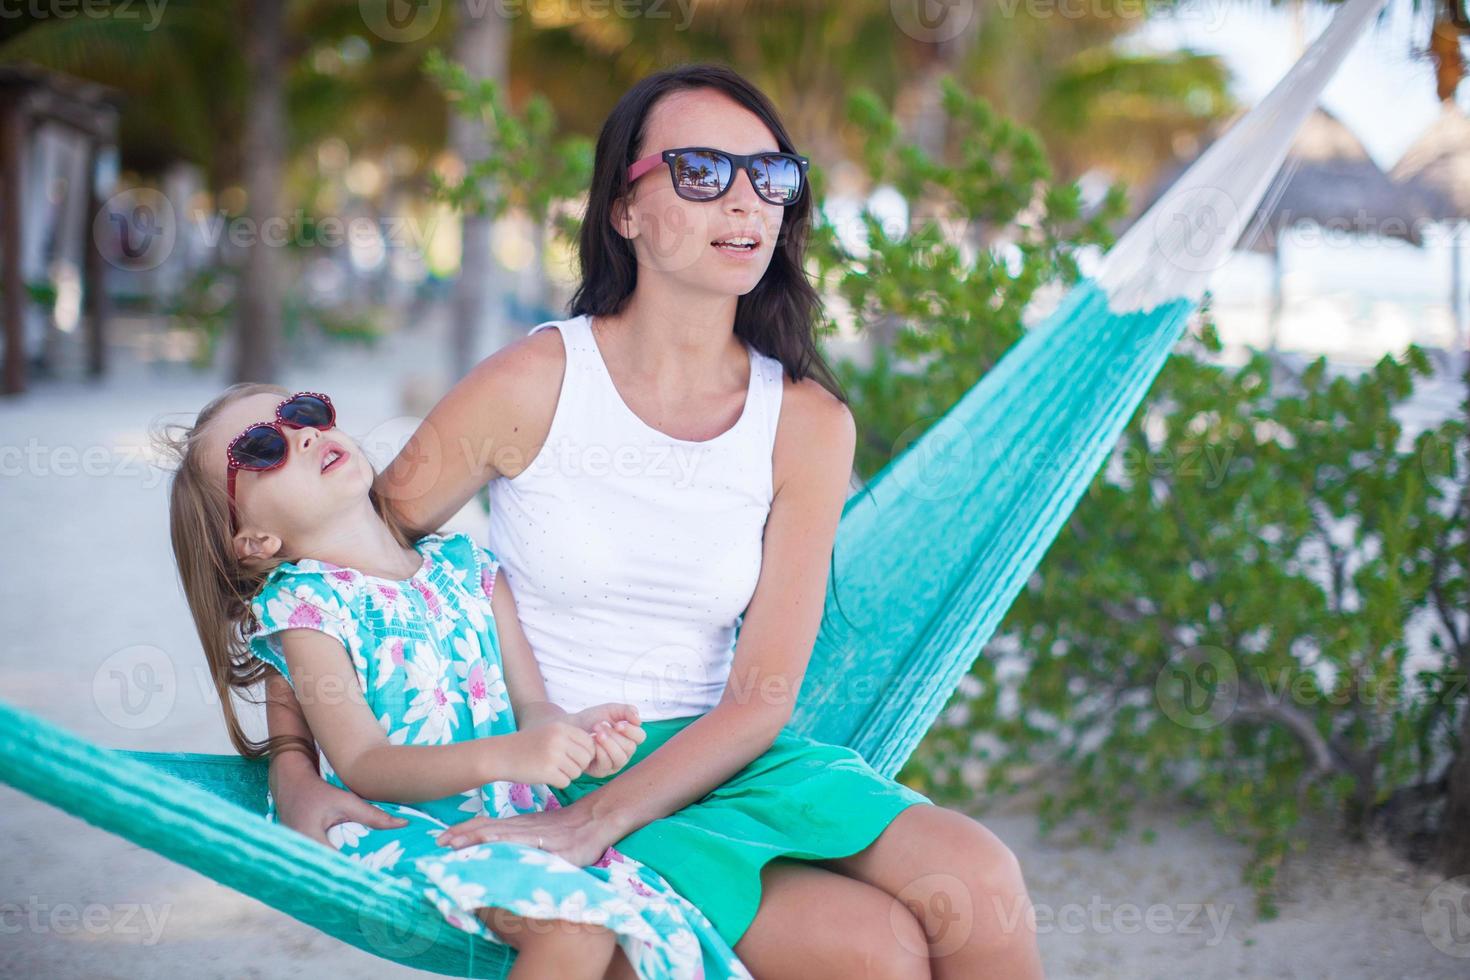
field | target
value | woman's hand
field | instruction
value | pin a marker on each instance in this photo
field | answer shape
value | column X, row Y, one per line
column 565, row 831
column 310, row 805
column 616, row 731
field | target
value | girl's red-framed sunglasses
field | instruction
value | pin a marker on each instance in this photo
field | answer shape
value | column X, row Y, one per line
column 703, row 173
column 264, row 446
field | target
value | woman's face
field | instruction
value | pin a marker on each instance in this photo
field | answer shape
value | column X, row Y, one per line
column 675, row 236
column 301, row 494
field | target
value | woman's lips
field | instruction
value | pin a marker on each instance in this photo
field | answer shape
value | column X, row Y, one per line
column 737, row 253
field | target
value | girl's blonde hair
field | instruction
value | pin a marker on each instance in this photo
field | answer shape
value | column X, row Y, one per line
column 217, row 585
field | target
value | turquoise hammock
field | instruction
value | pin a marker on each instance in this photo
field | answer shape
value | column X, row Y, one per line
column 927, row 560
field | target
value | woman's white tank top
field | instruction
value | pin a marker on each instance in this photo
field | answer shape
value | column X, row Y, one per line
column 632, row 555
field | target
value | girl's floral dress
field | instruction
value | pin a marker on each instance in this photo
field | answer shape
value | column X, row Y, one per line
column 427, row 655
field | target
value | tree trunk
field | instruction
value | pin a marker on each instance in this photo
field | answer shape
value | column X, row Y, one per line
column 1454, row 833
column 262, row 288
column 482, row 46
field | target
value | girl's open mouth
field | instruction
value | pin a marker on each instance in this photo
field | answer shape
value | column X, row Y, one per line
column 334, row 457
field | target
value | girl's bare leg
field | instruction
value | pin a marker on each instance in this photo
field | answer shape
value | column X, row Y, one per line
column 553, row 949
column 620, row 969
column 815, row 923
column 965, row 887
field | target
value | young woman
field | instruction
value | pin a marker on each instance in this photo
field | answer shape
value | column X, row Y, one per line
column 667, row 468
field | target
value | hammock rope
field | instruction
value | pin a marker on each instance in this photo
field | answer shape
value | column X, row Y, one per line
column 926, row 562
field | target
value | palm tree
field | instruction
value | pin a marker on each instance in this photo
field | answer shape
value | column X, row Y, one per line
column 244, row 111
column 482, row 47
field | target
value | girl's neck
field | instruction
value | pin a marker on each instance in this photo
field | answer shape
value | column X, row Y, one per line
column 359, row 539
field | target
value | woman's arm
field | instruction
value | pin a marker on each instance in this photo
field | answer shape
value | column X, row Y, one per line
column 493, row 420
column 359, row 750
column 304, row 801
column 776, row 636
column 283, row 719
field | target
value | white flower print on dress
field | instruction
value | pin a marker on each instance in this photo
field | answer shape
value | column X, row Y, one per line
column 346, row 834
column 428, row 674
column 388, row 600
column 389, row 659
column 575, row 907
column 483, row 686
column 304, row 609
column 465, row 894
column 548, row 860
column 384, row 857
column 399, row 737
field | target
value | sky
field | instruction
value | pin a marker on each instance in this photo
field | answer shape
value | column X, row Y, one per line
column 1384, row 91
column 1352, row 298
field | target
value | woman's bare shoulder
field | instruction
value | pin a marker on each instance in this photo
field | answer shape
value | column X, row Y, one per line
column 815, row 429
column 526, row 365
column 505, row 404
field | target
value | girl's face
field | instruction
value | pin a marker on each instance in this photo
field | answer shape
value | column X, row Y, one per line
column 676, row 236
column 304, row 493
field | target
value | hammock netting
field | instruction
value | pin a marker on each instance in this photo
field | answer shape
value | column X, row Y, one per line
column 927, row 560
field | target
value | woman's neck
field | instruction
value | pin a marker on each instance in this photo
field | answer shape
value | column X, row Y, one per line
column 675, row 343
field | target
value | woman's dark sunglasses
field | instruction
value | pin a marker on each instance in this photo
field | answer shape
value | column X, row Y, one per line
column 702, row 173
column 264, row 446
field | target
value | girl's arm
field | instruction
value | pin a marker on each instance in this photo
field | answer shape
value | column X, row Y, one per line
column 373, row 767
column 523, row 681
column 776, row 636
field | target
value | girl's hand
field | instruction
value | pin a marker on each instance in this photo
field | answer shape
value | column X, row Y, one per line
column 617, row 732
column 554, row 752
column 564, row 831
column 309, row 805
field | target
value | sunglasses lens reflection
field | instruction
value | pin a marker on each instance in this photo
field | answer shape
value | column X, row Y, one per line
column 778, row 179
column 700, row 175
column 260, row 447
column 307, row 410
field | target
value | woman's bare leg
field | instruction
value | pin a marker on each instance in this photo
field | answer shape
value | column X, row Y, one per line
column 553, row 949
column 814, row 923
column 963, row 884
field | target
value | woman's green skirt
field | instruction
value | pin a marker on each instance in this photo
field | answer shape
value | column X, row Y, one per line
column 799, row 799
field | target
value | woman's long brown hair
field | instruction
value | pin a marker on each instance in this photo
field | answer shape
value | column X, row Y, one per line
column 218, row 586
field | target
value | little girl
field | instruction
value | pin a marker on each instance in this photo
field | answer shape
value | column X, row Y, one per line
column 290, row 564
